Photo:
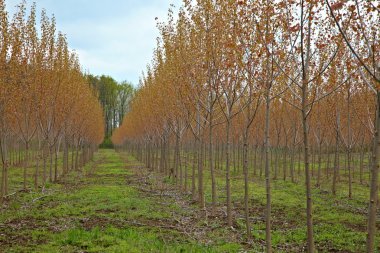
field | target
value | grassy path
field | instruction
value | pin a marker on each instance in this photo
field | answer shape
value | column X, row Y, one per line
column 105, row 208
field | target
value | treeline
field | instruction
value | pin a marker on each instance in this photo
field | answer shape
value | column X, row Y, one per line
column 289, row 89
column 51, row 121
column 114, row 98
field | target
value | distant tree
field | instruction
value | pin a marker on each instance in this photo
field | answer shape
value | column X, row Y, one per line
column 125, row 93
column 114, row 98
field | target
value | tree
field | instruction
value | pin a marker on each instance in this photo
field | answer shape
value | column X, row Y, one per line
column 359, row 25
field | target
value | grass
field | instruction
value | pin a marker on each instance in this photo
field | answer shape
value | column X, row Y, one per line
column 339, row 222
column 104, row 209
column 98, row 212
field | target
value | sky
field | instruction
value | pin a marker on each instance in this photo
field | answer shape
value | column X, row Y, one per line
column 114, row 37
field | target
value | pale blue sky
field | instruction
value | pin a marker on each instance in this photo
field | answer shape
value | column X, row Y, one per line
column 114, row 37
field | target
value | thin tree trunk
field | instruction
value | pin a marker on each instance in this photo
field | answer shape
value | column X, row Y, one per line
column 36, row 173
column 361, row 164
column 349, row 143
column 72, row 156
column 26, row 162
column 51, row 164
column 260, row 165
column 267, row 175
column 211, row 164
column 4, row 175
column 77, row 156
column 176, row 157
column 162, row 156
column 65, row 155
column 328, row 164
column 336, row 161
column 246, row 184
column 44, row 155
column 374, row 188
column 309, row 207
column 228, row 177
column 276, row 163
column 56, row 162
column 299, row 161
column 180, row 167
column 195, row 157
column 201, row 196
column 234, row 156
column 255, row 162
column 319, row 165
column 284, row 168
column 186, row 168
column 292, row 154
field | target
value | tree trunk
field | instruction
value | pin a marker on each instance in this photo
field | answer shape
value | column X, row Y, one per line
column 36, row 173
column 299, row 161
column 77, row 156
column 361, row 160
column 284, row 168
column 176, row 157
column 234, row 156
column 44, row 155
column 228, row 177
column 319, row 165
column 26, row 163
column 246, row 183
column 72, row 156
column 65, row 157
column 374, row 188
column 211, row 164
column 162, row 156
column 193, row 184
column 267, row 175
column 349, row 173
column 327, row 169
column 336, row 164
column 255, row 162
column 292, row 154
column 186, row 168
column 262, row 160
column 50, row 164
column 276, row 163
column 309, row 207
column 56, row 163
column 201, row 195
column 180, row 167
column 4, row 174
column 349, row 143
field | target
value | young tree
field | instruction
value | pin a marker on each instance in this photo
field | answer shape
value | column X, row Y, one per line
column 359, row 25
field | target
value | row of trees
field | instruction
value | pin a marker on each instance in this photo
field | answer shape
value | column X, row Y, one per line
column 279, row 76
column 114, row 98
column 46, row 103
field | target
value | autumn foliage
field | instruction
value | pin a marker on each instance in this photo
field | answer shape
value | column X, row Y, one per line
column 46, row 104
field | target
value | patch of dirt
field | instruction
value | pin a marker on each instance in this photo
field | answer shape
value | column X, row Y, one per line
column 101, row 222
column 356, row 227
column 7, row 240
column 328, row 247
column 30, row 223
column 27, row 223
column 106, row 211
column 14, row 231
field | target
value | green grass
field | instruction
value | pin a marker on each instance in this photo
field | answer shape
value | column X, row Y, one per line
column 339, row 223
column 99, row 212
